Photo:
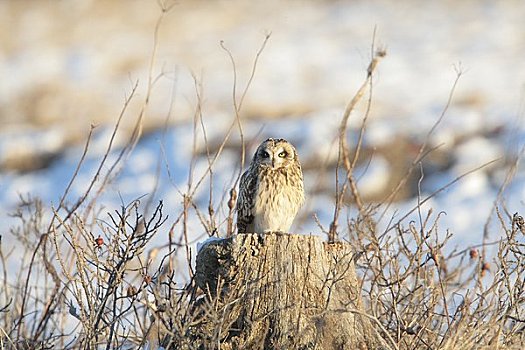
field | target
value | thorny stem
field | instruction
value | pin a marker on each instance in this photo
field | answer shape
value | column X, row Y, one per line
column 343, row 153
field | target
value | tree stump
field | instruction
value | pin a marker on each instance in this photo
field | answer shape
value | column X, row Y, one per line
column 283, row 291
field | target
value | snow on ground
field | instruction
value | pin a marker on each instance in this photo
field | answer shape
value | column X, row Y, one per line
column 64, row 73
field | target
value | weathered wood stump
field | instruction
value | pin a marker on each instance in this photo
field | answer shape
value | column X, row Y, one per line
column 285, row 291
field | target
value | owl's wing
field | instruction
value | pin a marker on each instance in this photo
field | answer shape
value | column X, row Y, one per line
column 246, row 202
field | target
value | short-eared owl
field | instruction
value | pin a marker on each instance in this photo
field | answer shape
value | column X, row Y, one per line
column 271, row 190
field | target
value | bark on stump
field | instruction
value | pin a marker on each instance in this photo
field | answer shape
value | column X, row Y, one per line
column 284, row 291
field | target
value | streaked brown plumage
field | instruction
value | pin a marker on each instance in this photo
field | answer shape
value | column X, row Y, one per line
column 271, row 190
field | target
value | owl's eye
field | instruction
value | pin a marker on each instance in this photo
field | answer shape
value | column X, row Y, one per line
column 265, row 154
column 282, row 154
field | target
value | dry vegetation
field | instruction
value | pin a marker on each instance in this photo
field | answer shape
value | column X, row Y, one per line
column 87, row 280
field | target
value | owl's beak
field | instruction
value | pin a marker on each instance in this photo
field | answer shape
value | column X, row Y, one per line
column 273, row 163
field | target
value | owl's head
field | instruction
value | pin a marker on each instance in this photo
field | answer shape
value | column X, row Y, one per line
column 275, row 154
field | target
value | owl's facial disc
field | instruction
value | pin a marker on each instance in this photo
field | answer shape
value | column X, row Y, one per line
column 279, row 158
column 275, row 155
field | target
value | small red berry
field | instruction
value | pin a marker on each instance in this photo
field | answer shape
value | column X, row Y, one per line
column 473, row 253
column 147, row 279
column 484, row 268
column 99, row 241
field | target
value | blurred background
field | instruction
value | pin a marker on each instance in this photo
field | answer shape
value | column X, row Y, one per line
column 68, row 65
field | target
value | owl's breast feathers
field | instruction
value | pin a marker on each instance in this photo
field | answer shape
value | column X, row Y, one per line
column 278, row 196
column 269, row 199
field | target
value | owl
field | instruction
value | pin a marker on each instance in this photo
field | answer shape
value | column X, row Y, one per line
column 271, row 190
